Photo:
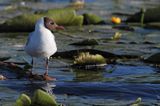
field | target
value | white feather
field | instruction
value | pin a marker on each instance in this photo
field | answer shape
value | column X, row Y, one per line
column 41, row 42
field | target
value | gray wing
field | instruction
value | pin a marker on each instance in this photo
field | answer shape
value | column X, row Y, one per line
column 28, row 40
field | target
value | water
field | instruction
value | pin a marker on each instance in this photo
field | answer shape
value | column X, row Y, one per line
column 129, row 79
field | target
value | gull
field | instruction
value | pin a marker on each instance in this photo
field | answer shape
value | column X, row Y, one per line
column 41, row 42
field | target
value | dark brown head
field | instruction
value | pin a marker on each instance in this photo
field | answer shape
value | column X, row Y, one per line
column 51, row 25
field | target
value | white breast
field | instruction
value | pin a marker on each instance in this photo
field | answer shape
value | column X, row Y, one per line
column 41, row 43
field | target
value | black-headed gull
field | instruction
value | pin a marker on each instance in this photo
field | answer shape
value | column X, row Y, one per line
column 41, row 42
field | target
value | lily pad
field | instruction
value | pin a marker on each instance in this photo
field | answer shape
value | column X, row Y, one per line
column 86, row 42
column 26, row 22
column 65, row 16
column 92, row 19
column 150, row 15
column 154, row 58
column 42, row 98
column 77, row 21
column 23, row 100
column 23, row 22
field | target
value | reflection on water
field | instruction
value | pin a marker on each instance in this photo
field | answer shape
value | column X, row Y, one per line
column 88, row 76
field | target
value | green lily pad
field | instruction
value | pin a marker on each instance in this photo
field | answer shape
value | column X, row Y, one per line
column 92, row 19
column 65, row 16
column 23, row 100
column 26, row 22
column 62, row 16
column 23, row 22
column 150, row 15
column 42, row 98
column 77, row 21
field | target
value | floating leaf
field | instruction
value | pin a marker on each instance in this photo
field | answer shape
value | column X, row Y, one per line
column 42, row 98
column 153, row 58
column 92, row 19
column 86, row 42
column 77, row 21
column 65, row 16
column 85, row 58
column 61, row 16
column 23, row 22
column 26, row 22
column 150, row 15
column 23, row 100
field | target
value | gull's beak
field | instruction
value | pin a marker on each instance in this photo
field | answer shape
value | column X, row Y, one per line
column 59, row 27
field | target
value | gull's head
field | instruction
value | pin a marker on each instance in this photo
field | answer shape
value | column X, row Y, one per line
column 48, row 23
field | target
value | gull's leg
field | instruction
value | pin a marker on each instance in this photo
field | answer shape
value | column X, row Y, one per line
column 46, row 77
column 46, row 65
column 32, row 63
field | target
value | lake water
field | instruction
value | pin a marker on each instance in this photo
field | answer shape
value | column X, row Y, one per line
column 130, row 79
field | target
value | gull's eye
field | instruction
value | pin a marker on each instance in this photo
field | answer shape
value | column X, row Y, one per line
column 52, row 23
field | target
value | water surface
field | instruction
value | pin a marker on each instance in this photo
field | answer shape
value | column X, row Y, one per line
column 129, row 80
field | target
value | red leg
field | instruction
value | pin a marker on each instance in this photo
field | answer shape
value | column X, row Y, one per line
column 46, row 77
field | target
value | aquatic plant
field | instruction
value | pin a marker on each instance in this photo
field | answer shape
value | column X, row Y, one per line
column 23, row 100
column 116, row 36
column 149, row 15
column 65, row 16
column 137, row 102
column 142, row 16
column 92, row 19
column 85, row 58
column 40, row 98
column 26, row 22
column 86, row 42
column 22, row 22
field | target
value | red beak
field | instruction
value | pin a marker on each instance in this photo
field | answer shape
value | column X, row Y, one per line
column 59, row 27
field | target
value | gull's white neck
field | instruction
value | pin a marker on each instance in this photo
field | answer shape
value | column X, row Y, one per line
column 40, row 25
